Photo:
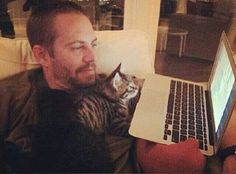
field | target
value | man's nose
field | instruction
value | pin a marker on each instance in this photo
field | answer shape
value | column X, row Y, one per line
column 89, row 55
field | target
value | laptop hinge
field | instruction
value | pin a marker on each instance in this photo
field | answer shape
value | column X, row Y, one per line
column 209, row 120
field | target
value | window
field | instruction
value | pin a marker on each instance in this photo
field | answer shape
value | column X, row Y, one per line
column 103, row 14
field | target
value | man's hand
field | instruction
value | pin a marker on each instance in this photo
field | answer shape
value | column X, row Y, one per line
column 230, row 164
column 184, row 157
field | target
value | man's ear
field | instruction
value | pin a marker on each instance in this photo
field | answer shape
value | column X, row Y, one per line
column 41, row 55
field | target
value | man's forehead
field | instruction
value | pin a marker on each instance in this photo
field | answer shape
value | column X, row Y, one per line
column 81, row 42
column 74, row 27
column 68, row 17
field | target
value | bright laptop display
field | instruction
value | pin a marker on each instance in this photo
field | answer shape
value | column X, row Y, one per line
column 172, row 110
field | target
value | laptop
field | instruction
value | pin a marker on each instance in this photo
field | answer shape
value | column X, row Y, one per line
column 171, row 110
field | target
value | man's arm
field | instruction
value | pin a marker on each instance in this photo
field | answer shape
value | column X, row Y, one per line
column 229, row 139
column 4, row 107
column 184, row 157
column 2, row 163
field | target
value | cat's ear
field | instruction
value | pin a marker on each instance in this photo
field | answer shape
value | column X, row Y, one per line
column 112, row 75
column 118, row 67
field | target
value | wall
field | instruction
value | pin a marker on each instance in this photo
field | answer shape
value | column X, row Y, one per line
column 143, row 15
column 228, row 8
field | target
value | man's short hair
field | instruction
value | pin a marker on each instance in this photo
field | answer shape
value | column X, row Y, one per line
column 40, row 30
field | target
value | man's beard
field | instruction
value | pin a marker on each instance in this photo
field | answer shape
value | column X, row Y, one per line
column 63, row 74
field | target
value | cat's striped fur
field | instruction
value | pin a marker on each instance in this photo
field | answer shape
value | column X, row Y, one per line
column 109, row 106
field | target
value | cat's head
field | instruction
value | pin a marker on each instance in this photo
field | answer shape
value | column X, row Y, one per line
column 120, row 86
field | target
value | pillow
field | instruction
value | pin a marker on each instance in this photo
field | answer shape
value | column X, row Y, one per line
column 15, row 56
column 131, row 48
column 127, row 47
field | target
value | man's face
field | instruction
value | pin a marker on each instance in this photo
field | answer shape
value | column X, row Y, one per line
column 73, row 61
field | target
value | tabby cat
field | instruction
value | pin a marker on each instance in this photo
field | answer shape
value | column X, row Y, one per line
column 109, row 108
column 62, row 145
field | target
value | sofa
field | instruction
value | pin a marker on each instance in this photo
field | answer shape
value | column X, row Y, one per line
column 131, row 48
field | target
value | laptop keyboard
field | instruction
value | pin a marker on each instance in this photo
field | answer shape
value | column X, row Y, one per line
column 186, row 116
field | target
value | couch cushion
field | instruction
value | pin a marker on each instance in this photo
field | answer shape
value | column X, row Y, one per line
column 131, row 48
column 15, row 56
column 128, row 47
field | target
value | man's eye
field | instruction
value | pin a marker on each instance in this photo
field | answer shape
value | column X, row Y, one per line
column 77, row 47
column 94, row 44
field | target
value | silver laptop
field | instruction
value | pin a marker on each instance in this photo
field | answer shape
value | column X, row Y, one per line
column 172, row 110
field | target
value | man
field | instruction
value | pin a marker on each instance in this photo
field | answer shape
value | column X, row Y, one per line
column 63, row 41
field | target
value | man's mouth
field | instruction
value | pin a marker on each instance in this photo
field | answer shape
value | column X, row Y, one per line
column 89, row 67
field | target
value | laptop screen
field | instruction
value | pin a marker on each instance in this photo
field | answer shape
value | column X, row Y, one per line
column 222, row 85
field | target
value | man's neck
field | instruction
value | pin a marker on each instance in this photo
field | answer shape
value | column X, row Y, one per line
column 54, row 83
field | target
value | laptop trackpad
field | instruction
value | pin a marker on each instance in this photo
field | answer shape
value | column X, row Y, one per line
column 149, row 117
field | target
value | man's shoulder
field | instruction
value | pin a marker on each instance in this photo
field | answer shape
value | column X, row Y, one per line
column 19, row 80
